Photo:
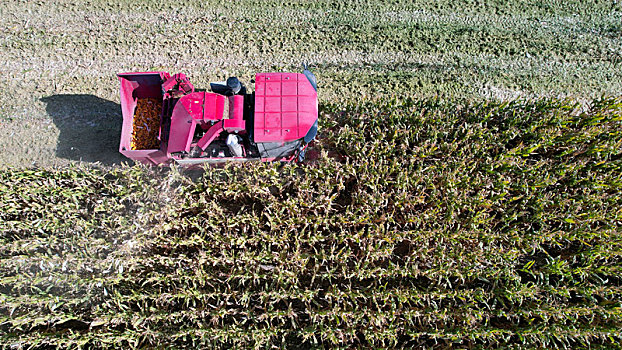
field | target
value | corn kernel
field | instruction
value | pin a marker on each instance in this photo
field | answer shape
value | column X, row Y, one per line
column 146, row 124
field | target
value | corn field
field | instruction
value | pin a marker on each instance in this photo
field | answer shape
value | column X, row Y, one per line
column 424, row 223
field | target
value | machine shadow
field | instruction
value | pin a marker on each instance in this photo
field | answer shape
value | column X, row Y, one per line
column 89, row 127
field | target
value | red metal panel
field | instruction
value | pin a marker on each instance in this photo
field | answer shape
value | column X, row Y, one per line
column 290, row 88
column 305, row 88
column 236, row 122
column 273, row 87
column 193, row 104
column 289, row 105
column 214, row 106
column 290, row 126
column 272, row 121
column 191, row 110
column 273, row 104
column 132, row 87
column 260, row 102
column 290, row 120
column 210, row 135
column 233, row 125
column 207, row 106
column 285, row 107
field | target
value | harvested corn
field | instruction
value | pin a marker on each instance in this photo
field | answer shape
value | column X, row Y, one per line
column 146, row 125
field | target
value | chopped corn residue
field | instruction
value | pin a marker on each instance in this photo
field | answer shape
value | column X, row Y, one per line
column 146, row 126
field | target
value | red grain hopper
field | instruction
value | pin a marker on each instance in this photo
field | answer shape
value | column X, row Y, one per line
column 275, row 122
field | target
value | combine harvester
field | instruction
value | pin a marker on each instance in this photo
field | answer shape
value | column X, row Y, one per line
column 165, row 120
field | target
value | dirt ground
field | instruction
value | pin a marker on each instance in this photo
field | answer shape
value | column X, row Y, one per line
column 75, row 128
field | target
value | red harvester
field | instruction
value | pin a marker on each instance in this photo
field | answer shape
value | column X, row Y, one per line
column 275, row 122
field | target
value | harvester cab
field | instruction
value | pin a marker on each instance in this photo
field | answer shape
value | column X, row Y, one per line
column 165, row 120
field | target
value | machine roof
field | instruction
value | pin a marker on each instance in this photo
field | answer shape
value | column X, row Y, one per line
column 285, row 107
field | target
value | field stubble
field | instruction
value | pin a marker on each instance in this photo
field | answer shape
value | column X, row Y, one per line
column 359, row 50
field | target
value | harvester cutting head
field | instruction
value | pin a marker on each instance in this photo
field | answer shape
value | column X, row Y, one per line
column 165, row 120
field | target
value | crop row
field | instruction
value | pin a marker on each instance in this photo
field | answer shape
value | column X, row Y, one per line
column 422, row 224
